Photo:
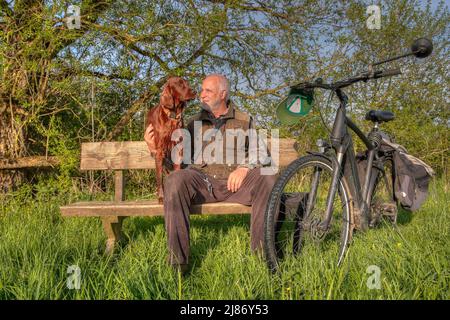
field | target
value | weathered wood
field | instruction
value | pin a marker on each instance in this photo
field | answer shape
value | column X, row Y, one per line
column 113, row 230
column 119, row 186
column 28, row 162
column 144, row 208
column 287, row 151
column 116, row 156
column 121, row 156
column 135, row 155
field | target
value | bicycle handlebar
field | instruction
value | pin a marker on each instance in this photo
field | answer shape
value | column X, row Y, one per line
column 420, row 48
column 388, row 73
column 345, row 83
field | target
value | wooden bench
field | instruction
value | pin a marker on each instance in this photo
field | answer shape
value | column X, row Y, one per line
column 129, row 155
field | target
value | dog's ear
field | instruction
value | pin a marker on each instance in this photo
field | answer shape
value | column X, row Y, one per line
column 166, row 98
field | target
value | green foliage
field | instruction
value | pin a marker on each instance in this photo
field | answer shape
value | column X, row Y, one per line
column 95, row 84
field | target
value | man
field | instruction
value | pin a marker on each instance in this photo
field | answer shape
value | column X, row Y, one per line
column 208, row 180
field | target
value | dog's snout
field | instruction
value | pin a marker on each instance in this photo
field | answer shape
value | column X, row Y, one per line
column 192, row 94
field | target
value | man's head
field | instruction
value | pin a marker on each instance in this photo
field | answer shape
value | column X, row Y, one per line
column 215, row 92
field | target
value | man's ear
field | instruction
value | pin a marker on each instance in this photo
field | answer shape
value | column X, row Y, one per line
column 223, row 95
column 166, row 98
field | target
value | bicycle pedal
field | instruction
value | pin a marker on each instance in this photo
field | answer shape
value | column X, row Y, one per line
column 389, row 210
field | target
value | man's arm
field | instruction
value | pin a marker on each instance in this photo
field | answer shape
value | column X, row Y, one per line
column 251, row 149
column 250, row 162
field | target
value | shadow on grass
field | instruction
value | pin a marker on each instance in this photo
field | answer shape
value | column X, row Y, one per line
column 137, row 226
column 209, row 228
column 404, row 216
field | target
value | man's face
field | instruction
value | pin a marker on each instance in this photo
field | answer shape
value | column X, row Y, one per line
column 211, row 96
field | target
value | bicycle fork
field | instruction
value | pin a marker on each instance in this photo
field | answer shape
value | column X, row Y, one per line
column 324, row 225
column 313, row 192
column 339, row 143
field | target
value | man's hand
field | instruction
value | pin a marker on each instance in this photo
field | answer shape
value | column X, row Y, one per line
column 235, row 179
column 150, row 138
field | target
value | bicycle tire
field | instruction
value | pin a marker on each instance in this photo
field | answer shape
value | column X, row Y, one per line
column 272, row 253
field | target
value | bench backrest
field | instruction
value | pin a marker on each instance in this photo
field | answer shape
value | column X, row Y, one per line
column 125, row 155
column 135, row 155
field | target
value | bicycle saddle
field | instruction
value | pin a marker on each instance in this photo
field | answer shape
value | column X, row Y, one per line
column 379, row 116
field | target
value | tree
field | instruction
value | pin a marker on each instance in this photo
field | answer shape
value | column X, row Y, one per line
column 61, row 86
column 128, row 44
column 31, row 39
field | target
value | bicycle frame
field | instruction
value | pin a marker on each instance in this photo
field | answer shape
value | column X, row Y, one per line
column 344, row 165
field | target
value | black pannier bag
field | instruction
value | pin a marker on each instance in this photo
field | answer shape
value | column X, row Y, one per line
column 411, row 179
column 411, row 175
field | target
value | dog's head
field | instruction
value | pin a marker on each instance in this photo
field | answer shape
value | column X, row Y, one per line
column 176, row 90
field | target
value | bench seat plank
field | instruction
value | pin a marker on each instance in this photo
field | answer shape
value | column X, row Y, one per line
column 144, row 208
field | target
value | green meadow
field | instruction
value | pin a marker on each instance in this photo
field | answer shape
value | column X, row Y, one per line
column 37, row 246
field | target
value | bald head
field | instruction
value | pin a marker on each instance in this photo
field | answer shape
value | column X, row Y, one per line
column 215, row 93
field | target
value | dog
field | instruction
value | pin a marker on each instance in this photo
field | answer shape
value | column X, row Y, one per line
column 165, row 118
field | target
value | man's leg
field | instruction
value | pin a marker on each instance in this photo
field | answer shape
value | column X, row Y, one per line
column 255, row 191
column 182, row 189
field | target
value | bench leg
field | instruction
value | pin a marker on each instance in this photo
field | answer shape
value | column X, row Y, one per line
column 113, row 229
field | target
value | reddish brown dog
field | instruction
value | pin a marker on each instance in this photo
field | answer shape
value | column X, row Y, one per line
column 165, row 119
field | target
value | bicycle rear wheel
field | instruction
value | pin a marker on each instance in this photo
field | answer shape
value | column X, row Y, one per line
column 296, row 208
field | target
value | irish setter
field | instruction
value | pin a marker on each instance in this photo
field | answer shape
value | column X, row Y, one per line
column 165, row 119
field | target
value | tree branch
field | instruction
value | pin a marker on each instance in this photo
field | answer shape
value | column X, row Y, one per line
column 272, row 91
column 199, row 51
column 70, row 70
column 131, row 41
column 147, row 95
column 152, row 92
column 28, row 162
column 6, row 8
column 90, row 11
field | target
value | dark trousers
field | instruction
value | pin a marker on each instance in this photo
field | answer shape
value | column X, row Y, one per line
column 187, row 187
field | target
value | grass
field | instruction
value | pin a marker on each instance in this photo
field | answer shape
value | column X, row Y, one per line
column 37, row 246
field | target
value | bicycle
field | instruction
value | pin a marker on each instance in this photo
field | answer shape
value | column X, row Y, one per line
column 303, row 207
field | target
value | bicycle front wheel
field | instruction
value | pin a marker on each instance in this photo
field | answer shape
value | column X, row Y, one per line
column 296, row 209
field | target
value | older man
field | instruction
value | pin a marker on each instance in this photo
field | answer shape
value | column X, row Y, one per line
column 208, row 180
